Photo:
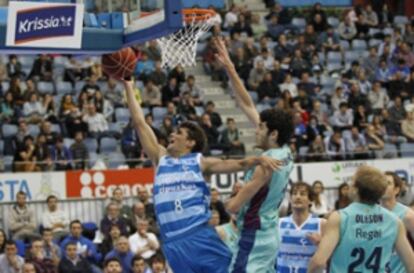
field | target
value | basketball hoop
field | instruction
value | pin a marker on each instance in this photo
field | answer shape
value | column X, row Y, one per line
column 180, row 47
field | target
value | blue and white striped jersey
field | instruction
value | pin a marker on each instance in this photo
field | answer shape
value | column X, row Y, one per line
column 181, row 195
column 295, row 249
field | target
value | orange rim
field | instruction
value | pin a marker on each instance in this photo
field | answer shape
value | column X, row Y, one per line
column 198, row 15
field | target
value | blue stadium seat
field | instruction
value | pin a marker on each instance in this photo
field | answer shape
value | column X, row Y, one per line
column 9, row 130
column 21, row 248
column 33, row 129
column 331, row 67
column 390, row 150
column 117, row 20
column 344, row 44
column 79, row 85
column 334, row 57
column 122, row 114
column 3, row 15
column 351, row 56
column 68, row 142
column 254, row 96
column 91, row 144
column 159, row 113
column 64, row 87
column 401, row 20
column 299, row 22
column 303, row 151
column 104, row 20
column 327, row 81
column 115, row 126
column 116, row 159
column 359, row 45
column 407, row 150
column 108, row 145
column 93, row 157
column 90, row 20
column 45, row 87
column 56, row 129
column 333, row 21
column 5, row 85
column 374, row 42
column 1, row 147
column 199, row 110
column 8, row 163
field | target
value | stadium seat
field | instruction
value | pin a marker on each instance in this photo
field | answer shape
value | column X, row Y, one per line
column 90, row 20
column 5, row 85
column 344, row 44
column 334, row 67
column 108, row 145
column 359, row 45
column 374, row 31
column 261, row 107
column 1, row 147
column 351, row 56
column 374, row 42
column 303, row 151
column 400, row 20
column 254, row 96
column 159, row 112
column 334, row 57
column 79, row 85
column 299, row 22
column 64, row 87
column 390, row 151
column 115, row 160
column 3, row 15
column 93, row 157
column 21, row 248
column 91, row 144
column 117, row 20
column 333, row 21
column 27, row 61
column 56, row 129
column 122, row 114
column 67, row 142
column 104, row 20
column 407, row 150
column 8, row 163
column 115, row 127
column 327, row 81
column 199, row 110
column 9, row 130
column 33, row 129
column 45, row 87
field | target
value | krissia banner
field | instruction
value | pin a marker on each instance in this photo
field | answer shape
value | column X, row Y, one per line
column 51, row 25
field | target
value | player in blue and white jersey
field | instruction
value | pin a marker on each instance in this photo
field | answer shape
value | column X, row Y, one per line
column 181, row 195
column 404, row 213
column 362, row 236
column 299, row 233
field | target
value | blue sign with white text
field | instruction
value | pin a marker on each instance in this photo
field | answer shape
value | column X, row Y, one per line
column 47, row 22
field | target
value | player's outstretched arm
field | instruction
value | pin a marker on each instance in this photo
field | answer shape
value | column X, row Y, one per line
column 260, row 177
column 242, row 96
column 147, row 137
column 404, row 249
column 212, row 165
column 327, row 245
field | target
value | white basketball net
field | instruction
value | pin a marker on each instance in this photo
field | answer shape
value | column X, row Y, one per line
column 181, row 46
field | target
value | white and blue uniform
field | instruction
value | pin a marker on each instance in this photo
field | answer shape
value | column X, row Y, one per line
column 295, row 249
column 181, row 202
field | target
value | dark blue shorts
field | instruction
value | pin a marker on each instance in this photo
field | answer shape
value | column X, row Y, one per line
column 201, row 251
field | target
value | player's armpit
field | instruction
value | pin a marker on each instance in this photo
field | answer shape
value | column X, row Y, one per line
column 327, row 245
column 404, row 249
column 260, row 178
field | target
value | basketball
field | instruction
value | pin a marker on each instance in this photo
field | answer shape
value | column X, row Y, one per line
column 120, row 64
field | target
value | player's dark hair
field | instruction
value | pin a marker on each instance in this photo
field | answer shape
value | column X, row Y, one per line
column 307, row 187
column 110, row 260
column 196, row 133
column 281, row 121
column 398, row 183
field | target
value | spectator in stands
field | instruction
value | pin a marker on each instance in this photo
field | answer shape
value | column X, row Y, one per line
column 151, row 95
column 382, row 72
column 178, row 73
column 186, row 107
column 256, row 75
column 356, row 145
column 42, row 154
column 374, row 142
column 113, row 93
column 314, row 129
column 130, row 145
column 24, row 157
column 274, row 29
column 371, row 17
column 109, row 241
column 195, row 91
column 150, row 122
column 316, row 151
column 50, row 249
column 166, row 127
column 14, row 67
column 46, row 130
column 153, row 51
column 299, row 64
column 211, row 132
column 42, row 69
column 214, row 116
column 360, row 117
column 33, row 109
column 397, row 112
column 91, row 86
column 10, row 262
column 343, row 118
column 112, row 265
column 347, row 29
column 103, row 105
column 72, row 262
column 401, row 71
column 171, row 91
column 28, row 268
column 329, row 40
column 8, row 109
column 40, row 262
column 405, row 53
column 242, row 26
column 335, row 146
column 118, row 197
column 143, row 196
column 214, row 220
column 217, row 205
column 283, row 49
column 362, row 26
column 3, row 239
column 67, row 106
column 144, row 67
column 122, row 253
column 79, row 152
column 320, row 113
column 289, row 85
column 230, row 139
column 55, row 219
column 97, row 124
column 407, row 126
column 378, row 98
column 320, row 205
column 113, row 217
column 300, row 136
column 242, row 63
column 268, row 90
column 73, row 70
column 142, row 242
column 17, row 91
column 317, row 10
column 84, row 246
column 139, row 265
column 394, row 133
column 50, row 109
column 61, row 156
column 343, row 197
column 139, row 213
column 22, row 222
column 371, row 63
column 158, row 264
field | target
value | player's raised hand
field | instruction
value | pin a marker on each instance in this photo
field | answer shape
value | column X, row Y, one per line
column 270, row 163
column 222, row 54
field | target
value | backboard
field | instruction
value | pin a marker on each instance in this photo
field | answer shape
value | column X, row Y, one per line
column 107, row 25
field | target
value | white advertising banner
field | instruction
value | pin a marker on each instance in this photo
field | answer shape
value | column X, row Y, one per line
column 37, row 186
column 332, row 174
column 36, row 24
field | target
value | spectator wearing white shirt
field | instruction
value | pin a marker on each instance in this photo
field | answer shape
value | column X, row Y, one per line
column 378, row 98
column 55, row 219
column 33, row 109
column 289, row 85
column 195, row 91
column 142, row 242
column 320, row 204
column 231, row 17
column 266, row 58
column 343, row 118
column 10, row 262
column 97, row 123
